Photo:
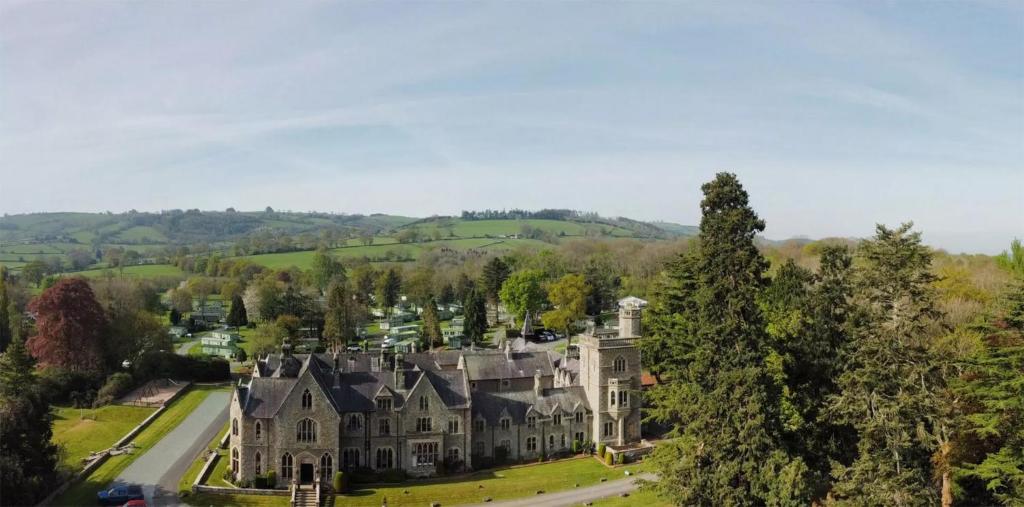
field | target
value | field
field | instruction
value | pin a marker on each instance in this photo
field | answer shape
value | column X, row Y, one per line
column 144, row 271
column 377, row 251
column 101, row 428
column 497, row 484
column 84, row 493
column 480, row 228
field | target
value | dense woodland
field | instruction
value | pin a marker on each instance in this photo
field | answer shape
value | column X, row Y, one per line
column 874, row 372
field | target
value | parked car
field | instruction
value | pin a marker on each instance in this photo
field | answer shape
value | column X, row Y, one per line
column 119, row 495
column 354, row 348
column 135, row 503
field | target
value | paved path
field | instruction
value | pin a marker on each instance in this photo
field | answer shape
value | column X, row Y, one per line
column 577, row 496
column 159, row 469
column 182, row 349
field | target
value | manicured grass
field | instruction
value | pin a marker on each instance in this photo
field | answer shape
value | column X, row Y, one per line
column 99, row 430
column 638, row 497
column 143, row 271
column 185, row 484
column 498, row 484
column 220, row 467
column 84, row 493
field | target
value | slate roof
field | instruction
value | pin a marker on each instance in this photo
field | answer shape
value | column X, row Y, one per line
column 356, row 385
column 488, row 365
column 490, row 405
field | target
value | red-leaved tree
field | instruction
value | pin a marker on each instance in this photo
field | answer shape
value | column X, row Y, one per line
column 70, row 324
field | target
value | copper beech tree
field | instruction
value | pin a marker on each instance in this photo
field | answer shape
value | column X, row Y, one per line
column 70, row 324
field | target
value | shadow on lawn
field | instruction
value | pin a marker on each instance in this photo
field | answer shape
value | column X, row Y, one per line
column 396, row 488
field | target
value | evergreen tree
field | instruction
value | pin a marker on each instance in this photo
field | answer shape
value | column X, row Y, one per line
column 447, row 295
column 475, row 316
column 387, row 290
column 890, row 393
column 671, row 320
column 496, row 271
column 237, row 316
column 28, row 458
column 339, row 316
column 992, row 467
column 5, row 315
column 432, row 336
column 174, row 317
column 723, row 405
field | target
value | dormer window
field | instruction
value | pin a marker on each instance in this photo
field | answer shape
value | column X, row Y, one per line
column 579, row 417
column 506, row 423
column 384, row 404
column 556, row 419
column 531, row 422
column 307, row 400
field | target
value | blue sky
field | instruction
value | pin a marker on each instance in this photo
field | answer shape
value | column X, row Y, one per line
column 835, row 115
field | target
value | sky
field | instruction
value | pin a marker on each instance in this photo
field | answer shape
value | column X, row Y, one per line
column 836, row 116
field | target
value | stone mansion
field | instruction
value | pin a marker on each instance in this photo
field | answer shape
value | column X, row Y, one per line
column 308, row 415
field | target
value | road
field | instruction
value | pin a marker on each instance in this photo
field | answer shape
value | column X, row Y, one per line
column 159, row 469
column 182, row 349
column 577, row 496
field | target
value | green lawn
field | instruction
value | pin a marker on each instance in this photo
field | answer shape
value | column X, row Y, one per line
column 84, row 493
column 99, row 430
column 498, row 484
column 638, row 497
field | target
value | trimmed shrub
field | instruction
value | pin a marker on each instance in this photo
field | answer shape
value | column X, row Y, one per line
column 608, row 459
column 339, row 481
column 170, row 365
column 271, row 479
column 576, row 446
column 618, row 458
column 116, row 385
column 260, row 482
column 600, row 450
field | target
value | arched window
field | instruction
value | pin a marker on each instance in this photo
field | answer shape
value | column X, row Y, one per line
column 234, row 427
column 611, row 398
column 355, row 422
column 286, row 466
column 259, row 463
column 305, row 431
column 234, row 460
column 326, row 467
column 307, row 400
column 619, row 365
column 424, row 403
column 623, row 399
column 551, row 441
column 259, row 429
column 350, row 457
column 385, row 458
column 562, row 440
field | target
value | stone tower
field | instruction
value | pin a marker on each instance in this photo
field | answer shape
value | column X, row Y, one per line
column 610, row 376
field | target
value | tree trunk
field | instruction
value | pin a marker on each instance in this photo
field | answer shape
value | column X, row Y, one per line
column 947, row 489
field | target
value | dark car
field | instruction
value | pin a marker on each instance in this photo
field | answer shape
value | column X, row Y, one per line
column 120, row 495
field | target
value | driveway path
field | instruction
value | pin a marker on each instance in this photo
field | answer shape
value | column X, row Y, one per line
column 577, row 496
column 182, row 349
column 159, row 469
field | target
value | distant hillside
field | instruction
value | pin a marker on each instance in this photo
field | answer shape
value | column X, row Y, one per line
column 678, row 229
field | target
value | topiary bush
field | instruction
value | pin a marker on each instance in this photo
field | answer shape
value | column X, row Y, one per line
column 339, row 481
column 608, row 459
column 600, row 450
column 271, row 479
column 259, row 482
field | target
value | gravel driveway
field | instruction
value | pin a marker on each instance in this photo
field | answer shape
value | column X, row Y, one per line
column 159, row 469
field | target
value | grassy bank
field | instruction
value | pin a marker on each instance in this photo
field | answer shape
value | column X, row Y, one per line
column 98, row 431
column 84, row 493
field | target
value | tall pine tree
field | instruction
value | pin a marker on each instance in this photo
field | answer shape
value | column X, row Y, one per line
column 890, row 393
column 5, row 316
column 724, row 403
column 237, row 316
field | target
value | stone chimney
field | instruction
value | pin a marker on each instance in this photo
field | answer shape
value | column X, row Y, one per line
column 629, row 321
column 286, row 347
column 399, row 372
column 538, row 387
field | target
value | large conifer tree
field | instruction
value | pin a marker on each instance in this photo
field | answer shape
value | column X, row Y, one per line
column 890, row 392
column 724, row 404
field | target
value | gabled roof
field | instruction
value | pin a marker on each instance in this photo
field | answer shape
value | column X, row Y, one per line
column 490, row 365
column 490, row 405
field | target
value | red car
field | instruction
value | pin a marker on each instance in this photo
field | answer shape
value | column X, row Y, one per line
column 135, row 503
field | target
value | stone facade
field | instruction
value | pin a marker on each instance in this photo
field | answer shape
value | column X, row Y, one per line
column 308, row 415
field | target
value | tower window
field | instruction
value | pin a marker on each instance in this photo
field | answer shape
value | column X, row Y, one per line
column 619, row 365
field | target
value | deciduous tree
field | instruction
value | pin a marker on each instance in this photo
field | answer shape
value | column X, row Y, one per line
column 522, row 292
column 70, row 326
column 568, row 295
